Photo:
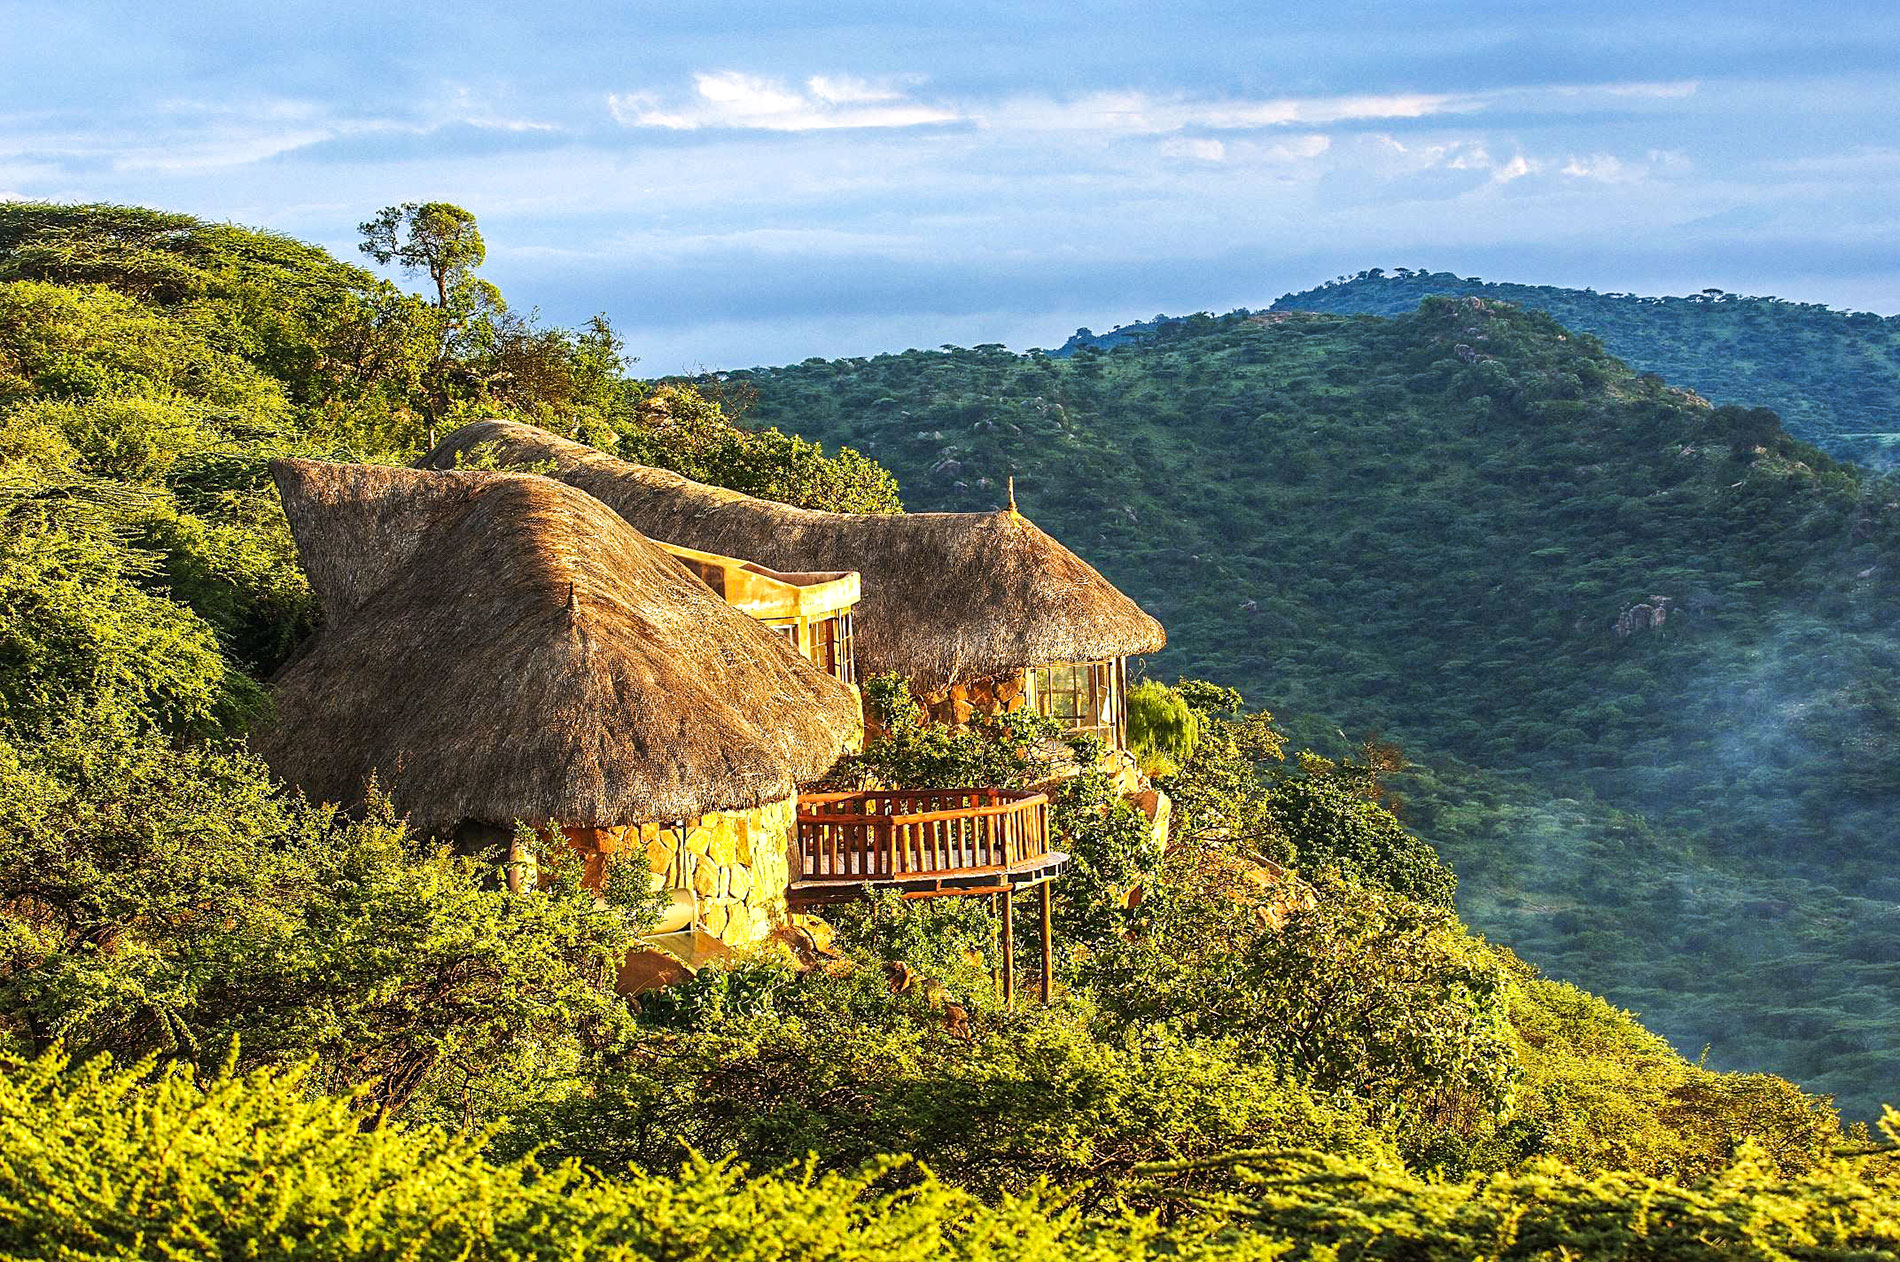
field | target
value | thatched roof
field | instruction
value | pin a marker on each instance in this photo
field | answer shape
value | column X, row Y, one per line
column 500, row 646
column 948, row 597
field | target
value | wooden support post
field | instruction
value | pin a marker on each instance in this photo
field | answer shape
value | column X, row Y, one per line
column 996, row 910
column 1048, row 946
column 1009, row 951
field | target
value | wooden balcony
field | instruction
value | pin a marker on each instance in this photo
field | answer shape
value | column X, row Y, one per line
column 922, row 842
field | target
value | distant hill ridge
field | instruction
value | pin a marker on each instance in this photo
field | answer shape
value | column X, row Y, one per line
column 1833, row 376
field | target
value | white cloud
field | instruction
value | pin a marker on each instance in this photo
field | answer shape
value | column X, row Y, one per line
column 1598, row 166
column 462, row 105
column 1300, row 147
column 1655, row 91
column 1140, row 113
column 844, row 90
column 1517, row 168
column 729, row 99
column 1607, row 168
column 1451, row 155
column 1202, row 148
column 1321, row 110
column 185, row 136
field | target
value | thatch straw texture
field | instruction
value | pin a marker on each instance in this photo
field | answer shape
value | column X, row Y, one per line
column 948, row 597
column 500, row 646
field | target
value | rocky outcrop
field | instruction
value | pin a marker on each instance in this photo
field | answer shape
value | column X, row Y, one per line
column 1649, row 615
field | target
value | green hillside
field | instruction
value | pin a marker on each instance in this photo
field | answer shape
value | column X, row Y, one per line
column 235, row 1023
column 1481, row 535
column 1834, row 376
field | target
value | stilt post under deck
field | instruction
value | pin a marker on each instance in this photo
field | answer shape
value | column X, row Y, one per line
column 1009, row 951
column 996, row 910
column 1048, row 946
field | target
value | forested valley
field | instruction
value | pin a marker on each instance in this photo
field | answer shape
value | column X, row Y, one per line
column 1620, row 658
column 1639, row 649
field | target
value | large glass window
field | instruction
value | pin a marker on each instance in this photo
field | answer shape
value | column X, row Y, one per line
column 1082, row 696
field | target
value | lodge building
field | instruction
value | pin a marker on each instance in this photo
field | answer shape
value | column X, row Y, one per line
column 662, row 670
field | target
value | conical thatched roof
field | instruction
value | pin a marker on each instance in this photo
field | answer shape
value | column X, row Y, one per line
column 500, row 646
column 948, row 597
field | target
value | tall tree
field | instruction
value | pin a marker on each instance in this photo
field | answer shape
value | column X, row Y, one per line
column 438, row 239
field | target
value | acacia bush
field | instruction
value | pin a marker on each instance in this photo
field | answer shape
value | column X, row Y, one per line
column 103, row 1163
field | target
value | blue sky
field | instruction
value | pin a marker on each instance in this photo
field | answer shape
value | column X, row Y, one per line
column 741, row 183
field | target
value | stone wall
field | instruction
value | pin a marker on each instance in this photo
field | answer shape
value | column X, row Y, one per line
column 956, row 705
column 737, row 863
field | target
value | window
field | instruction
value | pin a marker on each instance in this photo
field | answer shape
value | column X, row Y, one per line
column 790, row 632
column 831, row 647
column 1082, row 696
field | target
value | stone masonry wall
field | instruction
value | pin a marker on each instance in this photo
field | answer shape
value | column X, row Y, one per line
column 960, row 702
column 737, row 863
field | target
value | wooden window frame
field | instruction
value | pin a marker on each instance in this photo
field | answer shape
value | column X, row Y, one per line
column 1096, row 694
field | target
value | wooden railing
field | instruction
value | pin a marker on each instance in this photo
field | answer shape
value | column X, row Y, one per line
column 895, row 835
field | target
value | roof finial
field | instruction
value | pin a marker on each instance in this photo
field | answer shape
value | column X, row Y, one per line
column 573, row 605
column 1012, row 495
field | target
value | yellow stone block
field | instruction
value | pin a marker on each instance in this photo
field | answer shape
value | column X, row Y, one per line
column 716, row 918
column 739, row 881
column 706, row 879
column 659, row 855
column 699, row 839
column 723, row 850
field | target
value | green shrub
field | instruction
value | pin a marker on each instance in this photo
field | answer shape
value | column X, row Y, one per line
column 1163, row 729
column 1330, row 823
